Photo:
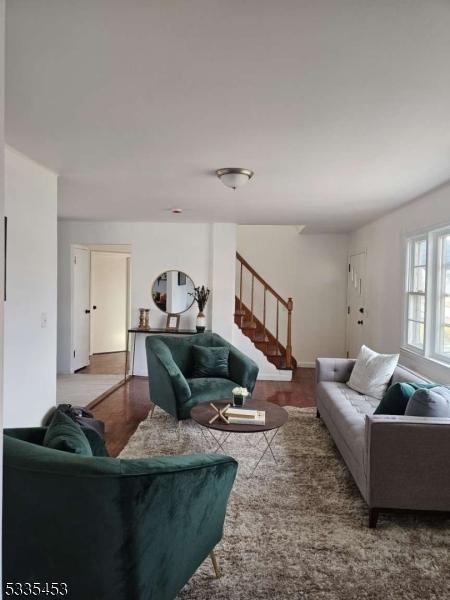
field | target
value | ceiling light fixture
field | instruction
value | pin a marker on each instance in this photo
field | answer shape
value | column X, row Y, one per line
column 234, row 177
column 177, row 211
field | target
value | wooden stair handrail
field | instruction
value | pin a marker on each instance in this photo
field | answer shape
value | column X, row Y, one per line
column 288, row 304
column 268, row 287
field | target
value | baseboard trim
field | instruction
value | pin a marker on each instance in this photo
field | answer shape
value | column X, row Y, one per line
column 108, row 392
column 307, row 365
column 280, row 376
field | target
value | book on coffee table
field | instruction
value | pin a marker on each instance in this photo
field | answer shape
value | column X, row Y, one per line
column 245, row 416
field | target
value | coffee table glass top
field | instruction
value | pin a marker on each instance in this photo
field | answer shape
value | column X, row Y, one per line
column 276, row 416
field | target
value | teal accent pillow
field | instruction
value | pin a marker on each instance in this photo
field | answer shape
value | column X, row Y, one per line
column 397, row 396
column 210, row 361
column 66, row 435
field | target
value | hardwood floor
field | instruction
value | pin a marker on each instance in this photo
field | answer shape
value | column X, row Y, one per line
column 126, row 407
column 298, row 392
column 122, row 411
column 109, row 363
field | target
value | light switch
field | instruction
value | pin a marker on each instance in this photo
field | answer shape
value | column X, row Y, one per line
column 43, row 320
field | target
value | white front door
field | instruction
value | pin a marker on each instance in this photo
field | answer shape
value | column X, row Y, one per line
column 109, row 300
column 81, row 307
column 356, row 293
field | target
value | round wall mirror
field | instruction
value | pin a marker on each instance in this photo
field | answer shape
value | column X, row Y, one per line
column 171, row 292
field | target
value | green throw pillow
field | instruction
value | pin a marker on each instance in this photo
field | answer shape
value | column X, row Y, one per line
column 397, row 397
column 64, row 434
column 210, row 361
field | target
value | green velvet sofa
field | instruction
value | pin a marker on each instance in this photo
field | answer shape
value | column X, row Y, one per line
column 109, row 528
column 170, row 363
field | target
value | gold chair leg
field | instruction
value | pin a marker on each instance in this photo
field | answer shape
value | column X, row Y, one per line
column 215, row 564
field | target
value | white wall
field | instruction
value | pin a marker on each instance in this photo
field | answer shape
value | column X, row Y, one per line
column 222, row 269
column 312, row 270
column 155, row 248
column 30, row 347
column 384, row 241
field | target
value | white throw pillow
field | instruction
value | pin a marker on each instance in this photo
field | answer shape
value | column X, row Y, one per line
column 372, row 372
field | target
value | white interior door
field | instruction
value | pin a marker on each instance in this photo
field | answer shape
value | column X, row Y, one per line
column 81, row 303
column 356, row 303
column 109, row 301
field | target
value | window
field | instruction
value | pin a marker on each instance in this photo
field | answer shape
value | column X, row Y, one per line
column 427, row 310
column 443, row 301
column 416, row 293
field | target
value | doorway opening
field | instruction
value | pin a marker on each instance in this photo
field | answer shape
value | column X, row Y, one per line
column 101, row 288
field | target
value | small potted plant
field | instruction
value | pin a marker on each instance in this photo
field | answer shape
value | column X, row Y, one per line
column 201, row 295
column 240, row 395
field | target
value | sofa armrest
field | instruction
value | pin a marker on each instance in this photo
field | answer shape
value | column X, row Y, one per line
column 96, row 442
column 151, row 522
column 35, row 435
column 174, row 514
column 407, row 462
column 334, row 369
column 165, row 359
column 159, row 465
column 243, row 370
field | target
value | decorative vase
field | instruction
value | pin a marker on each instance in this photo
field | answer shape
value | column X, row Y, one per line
column 144, row 318
column 240, row 395
column 238, row 400
column 200, row 323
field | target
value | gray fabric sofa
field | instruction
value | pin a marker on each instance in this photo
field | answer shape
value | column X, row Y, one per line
column 396, row 462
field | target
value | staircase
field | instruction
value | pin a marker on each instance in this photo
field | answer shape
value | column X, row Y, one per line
column 264, row 316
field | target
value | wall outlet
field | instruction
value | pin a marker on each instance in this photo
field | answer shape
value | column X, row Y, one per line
column 43, row 320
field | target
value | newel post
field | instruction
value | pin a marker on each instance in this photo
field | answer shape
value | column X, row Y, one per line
column 290, row 306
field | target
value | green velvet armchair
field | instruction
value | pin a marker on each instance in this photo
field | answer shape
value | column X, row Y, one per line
column 170, row 364
column 109, row 528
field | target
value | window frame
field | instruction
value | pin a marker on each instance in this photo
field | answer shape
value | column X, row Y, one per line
column 434, row 292
column 438, row 317
column 408, row 292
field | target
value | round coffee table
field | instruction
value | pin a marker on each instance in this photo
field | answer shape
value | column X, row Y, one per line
column 276, row 417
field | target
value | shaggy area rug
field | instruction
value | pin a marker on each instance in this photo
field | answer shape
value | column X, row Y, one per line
column 298, row 529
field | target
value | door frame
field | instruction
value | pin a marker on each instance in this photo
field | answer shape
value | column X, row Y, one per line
column 347, row 324
column 73, row 248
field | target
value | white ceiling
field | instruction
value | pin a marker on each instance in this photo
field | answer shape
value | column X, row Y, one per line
column 341, row 107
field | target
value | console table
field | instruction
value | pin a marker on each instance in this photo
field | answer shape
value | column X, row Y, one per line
column 135, row 330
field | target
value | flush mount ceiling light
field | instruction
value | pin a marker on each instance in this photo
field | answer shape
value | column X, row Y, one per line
column 234, row 177
column 176, row 210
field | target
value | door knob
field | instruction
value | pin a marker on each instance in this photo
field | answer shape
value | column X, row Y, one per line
column 87, row 311
column 360, row 322
column 94, row 307
column 361, row 310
